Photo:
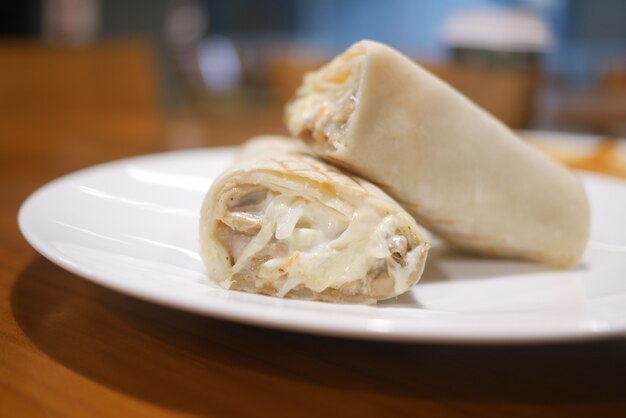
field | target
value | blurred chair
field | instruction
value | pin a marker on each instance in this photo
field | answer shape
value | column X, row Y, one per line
column 286, row 66
column 89, row 103
column 107, row 77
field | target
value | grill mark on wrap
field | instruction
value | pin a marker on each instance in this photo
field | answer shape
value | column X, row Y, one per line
column 310, row 168
column 317, row 170
column 357, row 182
column 328, row 173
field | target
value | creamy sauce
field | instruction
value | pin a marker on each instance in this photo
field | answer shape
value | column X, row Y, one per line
column 326, row 100
column 325, row 249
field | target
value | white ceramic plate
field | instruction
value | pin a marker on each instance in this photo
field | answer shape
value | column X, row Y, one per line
column 131, row 225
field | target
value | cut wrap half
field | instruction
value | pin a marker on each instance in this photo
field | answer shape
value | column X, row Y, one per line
column 458, row 170
column 281, row 222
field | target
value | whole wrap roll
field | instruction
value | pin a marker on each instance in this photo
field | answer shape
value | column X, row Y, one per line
column 281, row 222
column 458, row 170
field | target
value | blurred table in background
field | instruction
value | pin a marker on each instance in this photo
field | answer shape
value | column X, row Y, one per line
column 69, row 347
column 596, row 111
column 601, row 109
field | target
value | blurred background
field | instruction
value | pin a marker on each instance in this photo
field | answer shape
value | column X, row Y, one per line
column 211, row 72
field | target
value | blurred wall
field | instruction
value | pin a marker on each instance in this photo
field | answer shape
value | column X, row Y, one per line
column 407, row 24
column 588, row 33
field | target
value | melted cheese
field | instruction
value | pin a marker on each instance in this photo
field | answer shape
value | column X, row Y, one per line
column 326, row 100
column 325, row 249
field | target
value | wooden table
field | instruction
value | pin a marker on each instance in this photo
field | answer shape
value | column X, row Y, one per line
column 69, row 347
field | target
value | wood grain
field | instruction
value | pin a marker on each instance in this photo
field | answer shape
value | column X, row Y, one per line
column 72, row 348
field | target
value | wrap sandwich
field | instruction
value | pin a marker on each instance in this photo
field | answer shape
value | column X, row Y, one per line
column 460, row 172
column 281, row 222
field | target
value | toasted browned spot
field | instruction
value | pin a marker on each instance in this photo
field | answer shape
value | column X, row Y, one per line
column 316, row 169
column 289, row 262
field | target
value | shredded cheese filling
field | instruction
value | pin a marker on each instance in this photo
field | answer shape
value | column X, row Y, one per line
column 325, row 249
column 326, row 100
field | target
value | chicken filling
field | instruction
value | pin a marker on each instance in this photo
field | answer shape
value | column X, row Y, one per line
column 280, row 243
column 324, row 103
